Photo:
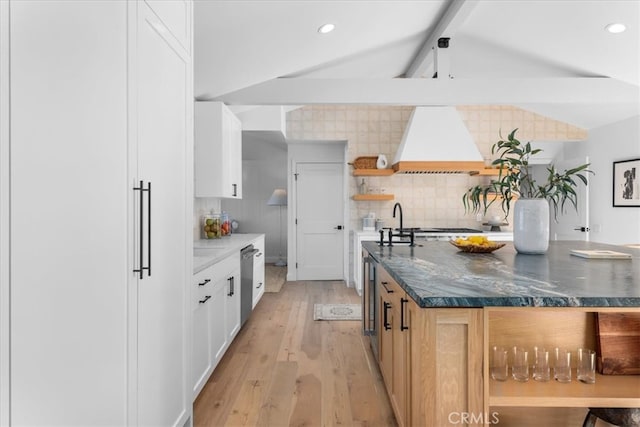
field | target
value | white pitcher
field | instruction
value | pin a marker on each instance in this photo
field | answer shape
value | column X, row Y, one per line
column 382, row 161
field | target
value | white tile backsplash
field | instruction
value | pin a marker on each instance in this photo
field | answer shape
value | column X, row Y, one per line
column 427, row 200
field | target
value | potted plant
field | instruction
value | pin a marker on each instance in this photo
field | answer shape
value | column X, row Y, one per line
column 515, row 180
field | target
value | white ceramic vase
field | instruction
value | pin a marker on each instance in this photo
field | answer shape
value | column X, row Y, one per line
column 531, row 226
column 382, row 162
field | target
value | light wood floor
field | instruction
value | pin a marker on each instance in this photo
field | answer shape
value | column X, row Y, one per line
column 285, row 369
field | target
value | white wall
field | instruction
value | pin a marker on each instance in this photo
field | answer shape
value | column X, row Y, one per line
column 606, row 144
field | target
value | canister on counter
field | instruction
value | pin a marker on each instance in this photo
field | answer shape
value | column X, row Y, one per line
column 211, row 226
column 225, row 226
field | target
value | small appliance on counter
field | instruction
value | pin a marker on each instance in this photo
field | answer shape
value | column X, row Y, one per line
column 496, row 221
column 369, row 222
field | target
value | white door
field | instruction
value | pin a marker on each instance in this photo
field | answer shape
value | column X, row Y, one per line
column 162, row 82
column 572, row 224
column 320, row 215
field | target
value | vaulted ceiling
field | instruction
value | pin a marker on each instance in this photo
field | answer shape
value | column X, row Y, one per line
column 551, row 57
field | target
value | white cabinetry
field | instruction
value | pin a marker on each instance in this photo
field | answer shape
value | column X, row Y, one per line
column 202, row 299
column 218, row 151
column 258, row 271
column 215, row 302
column 100, row 101
column 357, row 238
column 231, row 282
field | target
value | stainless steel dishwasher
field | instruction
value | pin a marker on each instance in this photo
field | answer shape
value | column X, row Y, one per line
column 246, row 282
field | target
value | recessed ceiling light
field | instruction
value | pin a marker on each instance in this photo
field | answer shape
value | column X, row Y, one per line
column 326, row 28
column 615, row 28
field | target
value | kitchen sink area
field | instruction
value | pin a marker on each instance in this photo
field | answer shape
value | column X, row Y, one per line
column 428, row 230
column 423, row 236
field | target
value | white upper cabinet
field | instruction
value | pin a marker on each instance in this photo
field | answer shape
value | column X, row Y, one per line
column 218, row 151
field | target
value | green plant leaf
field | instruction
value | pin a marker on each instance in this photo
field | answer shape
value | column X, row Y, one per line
column 514, row 179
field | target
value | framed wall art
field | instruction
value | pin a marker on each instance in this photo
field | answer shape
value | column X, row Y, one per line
column 626, row 183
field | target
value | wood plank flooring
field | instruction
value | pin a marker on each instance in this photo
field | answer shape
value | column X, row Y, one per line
column 285, row 369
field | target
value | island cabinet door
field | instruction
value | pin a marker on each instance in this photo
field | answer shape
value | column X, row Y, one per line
column 388, row 292
column 446, row 349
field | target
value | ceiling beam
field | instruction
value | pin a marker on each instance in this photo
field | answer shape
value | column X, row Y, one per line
column 452, row 18
column 476, row 91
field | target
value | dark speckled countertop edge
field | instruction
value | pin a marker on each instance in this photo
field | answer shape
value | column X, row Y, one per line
column 478, row 301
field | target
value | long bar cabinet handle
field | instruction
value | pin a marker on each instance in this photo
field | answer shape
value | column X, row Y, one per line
column 231, row 286
column 148, row 268
column 403, row 301
column 385, row 318
column 142, row 268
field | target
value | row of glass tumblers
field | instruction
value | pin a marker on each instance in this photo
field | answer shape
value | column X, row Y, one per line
column 540, row 360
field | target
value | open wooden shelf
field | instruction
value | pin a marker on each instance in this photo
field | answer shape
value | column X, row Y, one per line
column 487, row 172
column 499, row 197
column 610, row 391
column 372, row 172
column 568, row 327
column 372, row 197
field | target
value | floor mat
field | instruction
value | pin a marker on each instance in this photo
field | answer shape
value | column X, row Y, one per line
column 337, row 312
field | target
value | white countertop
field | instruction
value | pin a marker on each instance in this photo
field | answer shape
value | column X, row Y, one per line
column 207, row 252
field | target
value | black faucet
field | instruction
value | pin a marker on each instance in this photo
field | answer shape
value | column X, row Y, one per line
column 397, row 205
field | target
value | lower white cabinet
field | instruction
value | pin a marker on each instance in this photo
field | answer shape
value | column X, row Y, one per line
column 202, row 300
column 215, row 303
column 231, row 284
column 259, row 282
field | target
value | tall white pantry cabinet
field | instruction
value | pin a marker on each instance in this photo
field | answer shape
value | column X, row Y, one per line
column 96, row 152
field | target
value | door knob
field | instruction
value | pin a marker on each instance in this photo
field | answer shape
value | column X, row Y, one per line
column 338, row 227
column 583, row 229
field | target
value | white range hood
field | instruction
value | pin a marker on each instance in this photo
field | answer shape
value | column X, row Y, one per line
column 436, row 140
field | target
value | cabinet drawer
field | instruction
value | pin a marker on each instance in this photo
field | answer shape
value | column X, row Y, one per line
column 202, row 285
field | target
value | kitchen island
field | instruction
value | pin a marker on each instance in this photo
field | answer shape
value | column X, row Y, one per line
column 439, row 311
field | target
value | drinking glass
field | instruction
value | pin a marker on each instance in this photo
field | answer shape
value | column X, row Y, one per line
column 541, row 364
column 586, row 371
column 499, row 367
column 520, row 367
column 562, row 368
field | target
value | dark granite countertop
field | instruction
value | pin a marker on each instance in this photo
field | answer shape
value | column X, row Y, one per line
column 437, row 274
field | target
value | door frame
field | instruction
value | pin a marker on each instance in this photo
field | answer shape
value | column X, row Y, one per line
column 583, row 202
column 5, row 201
column 314, row 151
